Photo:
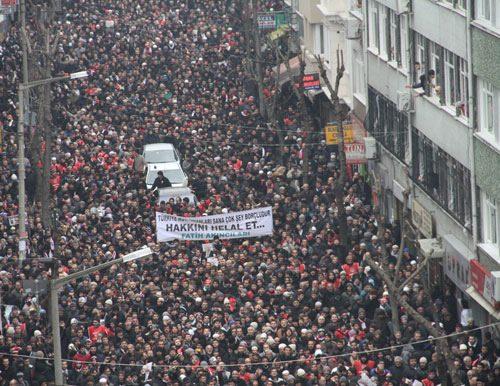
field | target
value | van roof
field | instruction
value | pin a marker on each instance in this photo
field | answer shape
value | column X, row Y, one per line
column 158, row 146
column 165, row 166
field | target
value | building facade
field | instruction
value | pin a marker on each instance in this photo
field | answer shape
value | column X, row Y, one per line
column 433, row 108
column 424, row 77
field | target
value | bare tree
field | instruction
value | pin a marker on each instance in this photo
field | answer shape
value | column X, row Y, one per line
column 258, row 56
column 275, row 87
column 45, row 21
column 306, row 119
column 395, row 286
column 341, row 112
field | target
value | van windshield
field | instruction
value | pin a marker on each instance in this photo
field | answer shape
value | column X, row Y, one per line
column 159, row 156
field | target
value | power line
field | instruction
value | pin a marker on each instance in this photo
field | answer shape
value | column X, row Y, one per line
column 230, row 365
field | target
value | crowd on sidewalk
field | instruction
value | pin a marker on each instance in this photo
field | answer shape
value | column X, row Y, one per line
column 292, row 308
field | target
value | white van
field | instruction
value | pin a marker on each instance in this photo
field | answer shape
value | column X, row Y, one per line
column 171, row 170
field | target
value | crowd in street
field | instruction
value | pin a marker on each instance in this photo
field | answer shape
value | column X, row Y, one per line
column 295, row 308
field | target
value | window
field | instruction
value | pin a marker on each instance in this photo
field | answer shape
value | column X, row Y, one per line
column 442, row 177
column 319, row 42
column 374, row 38
column 463, row 87
column 403, row 29
column 450, row 83
column 393, row 30
column 388, row 125
column 449, row 78
column 490, row 219
column 420, row 54
column 435, row 65
column 327, row 47
column 383, row 40
column 452, row 200
column 462, row 4
column 358, row 74
column 488, row 110
column 484, row 10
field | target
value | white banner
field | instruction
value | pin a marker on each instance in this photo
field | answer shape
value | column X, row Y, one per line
column 248, row 223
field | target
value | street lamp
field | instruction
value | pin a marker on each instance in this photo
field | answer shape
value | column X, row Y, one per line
column 23, row 87
column 56, row 284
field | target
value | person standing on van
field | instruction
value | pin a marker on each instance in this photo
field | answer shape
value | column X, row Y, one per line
column 161, row 182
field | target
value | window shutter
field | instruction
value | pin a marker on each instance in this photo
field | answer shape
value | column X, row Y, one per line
column 442, row 90
column 398, row 40
column 388, row 33
column 426, row 65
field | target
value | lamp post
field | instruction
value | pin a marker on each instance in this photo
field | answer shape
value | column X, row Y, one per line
column 56, row 284
column 24, row 87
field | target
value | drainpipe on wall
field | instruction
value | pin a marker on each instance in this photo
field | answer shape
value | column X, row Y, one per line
column 471, row 124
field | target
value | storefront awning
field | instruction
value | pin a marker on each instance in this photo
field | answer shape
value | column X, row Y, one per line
column 284, row 75
column 474, row 294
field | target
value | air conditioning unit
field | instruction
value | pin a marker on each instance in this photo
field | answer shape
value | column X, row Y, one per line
column 403, row 6
column 370, row 148
column 403, row 100
column 352, row 28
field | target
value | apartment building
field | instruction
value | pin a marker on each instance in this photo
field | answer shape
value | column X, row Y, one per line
column 439, row 141
column 433, row 109
column 330, row 26
column 485, row 57
column 424, row 76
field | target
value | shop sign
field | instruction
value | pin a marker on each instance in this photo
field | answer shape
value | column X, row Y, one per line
column 7, row 7
column 280, row 18
column 266, row 20
column 355, row 153
column 484, row 282
column 422, row 219
column 332, row 134
column 271, row 20
column 478, row 276
column 310, row 81
column 456, row 265
column 8, row 3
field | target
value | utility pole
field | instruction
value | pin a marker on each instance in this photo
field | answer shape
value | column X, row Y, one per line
column 20, row 140
column 58, row 283
column 56, row 333
column 47, row 14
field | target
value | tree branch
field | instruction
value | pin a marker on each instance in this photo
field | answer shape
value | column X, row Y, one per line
column 421, row 320
column 414, row 273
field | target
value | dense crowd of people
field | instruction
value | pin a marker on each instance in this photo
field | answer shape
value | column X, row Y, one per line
column 298, row 307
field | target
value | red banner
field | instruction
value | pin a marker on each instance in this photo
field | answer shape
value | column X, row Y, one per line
column 8, row 3
column 478, row 276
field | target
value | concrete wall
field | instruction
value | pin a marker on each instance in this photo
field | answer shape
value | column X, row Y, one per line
column 487, row 162
column 442, row 128
column 309, row 9
column 333, row 6
column 441, row 25
column 386, row 79
column 392, row 4
column 486, row 56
